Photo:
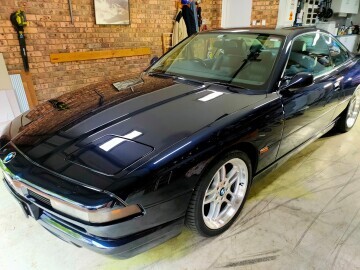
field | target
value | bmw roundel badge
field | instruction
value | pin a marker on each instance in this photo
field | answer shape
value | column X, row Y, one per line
column 9, row 157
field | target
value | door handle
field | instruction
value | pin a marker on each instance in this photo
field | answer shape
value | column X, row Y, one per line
column 337, row 83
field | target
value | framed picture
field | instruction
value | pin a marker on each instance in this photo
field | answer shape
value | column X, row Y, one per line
column 112, row 11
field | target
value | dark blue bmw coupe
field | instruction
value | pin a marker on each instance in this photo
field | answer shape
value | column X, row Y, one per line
column 119, row 167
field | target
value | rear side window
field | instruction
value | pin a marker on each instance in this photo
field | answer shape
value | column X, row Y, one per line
column 309, row 53
column 338, row 53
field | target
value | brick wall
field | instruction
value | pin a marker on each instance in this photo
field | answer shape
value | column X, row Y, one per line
column 49, row 31
column 211, row 12
column 267, row 10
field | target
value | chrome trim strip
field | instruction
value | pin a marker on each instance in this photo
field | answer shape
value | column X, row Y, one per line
column 21, row 183
column 21, row 189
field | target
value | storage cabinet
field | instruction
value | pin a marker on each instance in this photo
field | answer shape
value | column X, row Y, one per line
column 311, row 13
column 350, row 42
column 345, row 6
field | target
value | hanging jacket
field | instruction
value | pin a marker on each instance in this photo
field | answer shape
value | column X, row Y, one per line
column 194, row 10
column 180, row 31
column 188, row 15
column 199, row 16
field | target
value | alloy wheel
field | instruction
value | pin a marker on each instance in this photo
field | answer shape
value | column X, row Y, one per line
column 353, row 112
column 225, row 193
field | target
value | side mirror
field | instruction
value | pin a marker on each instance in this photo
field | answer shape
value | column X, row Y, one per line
column 154, row 60
column 300, row 80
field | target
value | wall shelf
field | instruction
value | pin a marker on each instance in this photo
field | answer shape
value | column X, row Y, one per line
column 93, row 55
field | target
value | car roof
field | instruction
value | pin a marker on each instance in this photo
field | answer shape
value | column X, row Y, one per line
column 287, row 31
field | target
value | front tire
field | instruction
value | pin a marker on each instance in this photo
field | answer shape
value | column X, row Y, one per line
column 220, row 195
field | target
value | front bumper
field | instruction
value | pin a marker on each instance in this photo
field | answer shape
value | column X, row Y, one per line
column 124, row 247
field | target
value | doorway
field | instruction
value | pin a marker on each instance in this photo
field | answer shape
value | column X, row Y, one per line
column 236, row 13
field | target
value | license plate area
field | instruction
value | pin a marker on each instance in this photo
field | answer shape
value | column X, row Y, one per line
column 30, row 209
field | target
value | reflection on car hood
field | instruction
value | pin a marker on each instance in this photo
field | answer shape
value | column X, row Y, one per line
column 102, row 130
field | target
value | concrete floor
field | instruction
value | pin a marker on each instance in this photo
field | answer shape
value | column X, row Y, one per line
column 306, row 215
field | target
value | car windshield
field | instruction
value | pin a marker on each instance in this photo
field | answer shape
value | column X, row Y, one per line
column 241, row 59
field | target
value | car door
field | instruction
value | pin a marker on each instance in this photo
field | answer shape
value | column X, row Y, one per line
column 342, row 71
column 308, row 110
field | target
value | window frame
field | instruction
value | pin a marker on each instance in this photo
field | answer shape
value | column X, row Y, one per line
column 279, row 84
column 316, row 76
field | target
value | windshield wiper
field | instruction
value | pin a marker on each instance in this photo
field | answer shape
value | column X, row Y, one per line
column 175, row 77
column 252, row 56
column 161, row 74
column 230, row 87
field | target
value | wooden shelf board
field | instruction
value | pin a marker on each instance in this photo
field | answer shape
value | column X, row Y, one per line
column 92, row 55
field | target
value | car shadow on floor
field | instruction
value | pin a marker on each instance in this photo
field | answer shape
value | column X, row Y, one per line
column 291, row 164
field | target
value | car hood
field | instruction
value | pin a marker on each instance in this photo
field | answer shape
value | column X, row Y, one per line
column 92, row 134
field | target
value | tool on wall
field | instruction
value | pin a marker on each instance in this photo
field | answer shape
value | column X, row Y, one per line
column 18, row 20
column 325, row 11
column 71, row 12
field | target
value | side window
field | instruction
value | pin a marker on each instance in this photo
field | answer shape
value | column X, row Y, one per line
column 309, row 53
column 338, row 53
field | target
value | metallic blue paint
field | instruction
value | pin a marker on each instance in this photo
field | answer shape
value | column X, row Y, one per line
column 181, row 137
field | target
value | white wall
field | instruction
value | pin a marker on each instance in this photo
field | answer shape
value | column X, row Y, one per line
column 9, row 107
column 5, row 83
column 236, row 13
column 355, row 18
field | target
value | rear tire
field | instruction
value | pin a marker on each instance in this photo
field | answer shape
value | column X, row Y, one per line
column 348, row 118
column 220, row 195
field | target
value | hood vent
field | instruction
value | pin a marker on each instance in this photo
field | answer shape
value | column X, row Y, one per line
column 110, row 154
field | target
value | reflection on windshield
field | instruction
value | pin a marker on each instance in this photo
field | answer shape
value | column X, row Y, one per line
column 241, row 59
